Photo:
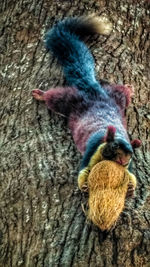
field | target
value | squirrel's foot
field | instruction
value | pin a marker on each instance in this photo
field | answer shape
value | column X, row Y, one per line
column 131, row 88
column 84, row 188
column 85, row 207
column 130, row 190
column 38, row 94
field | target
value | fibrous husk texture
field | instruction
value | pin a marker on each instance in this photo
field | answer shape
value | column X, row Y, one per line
column 107, row 184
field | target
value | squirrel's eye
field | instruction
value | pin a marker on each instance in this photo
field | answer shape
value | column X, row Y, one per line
column 115, row 146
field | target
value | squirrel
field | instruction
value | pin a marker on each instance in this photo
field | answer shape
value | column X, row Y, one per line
column 95, row 110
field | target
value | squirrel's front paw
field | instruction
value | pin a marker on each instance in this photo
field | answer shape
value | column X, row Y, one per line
column 130, row 190
column 82, row 184
column 84, row 188
column 82, row 179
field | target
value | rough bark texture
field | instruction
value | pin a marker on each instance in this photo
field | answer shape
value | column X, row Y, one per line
column 41, row 220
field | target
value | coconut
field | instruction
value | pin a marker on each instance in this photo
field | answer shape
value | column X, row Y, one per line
column 107, row 183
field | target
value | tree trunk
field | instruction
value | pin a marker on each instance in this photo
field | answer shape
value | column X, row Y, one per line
column 41, row 219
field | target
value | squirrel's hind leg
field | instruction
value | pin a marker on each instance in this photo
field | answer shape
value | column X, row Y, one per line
column 62, row 100
column 38, row 94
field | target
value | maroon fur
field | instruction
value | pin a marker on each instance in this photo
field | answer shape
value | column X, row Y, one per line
column 136, row 143
column 111, row 130
column 88, row 114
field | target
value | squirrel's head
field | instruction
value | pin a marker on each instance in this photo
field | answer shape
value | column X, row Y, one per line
column 117, row 148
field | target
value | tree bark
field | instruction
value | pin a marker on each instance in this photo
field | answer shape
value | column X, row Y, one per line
column 41, row 219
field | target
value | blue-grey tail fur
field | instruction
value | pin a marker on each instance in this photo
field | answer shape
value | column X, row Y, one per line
column 63, row 40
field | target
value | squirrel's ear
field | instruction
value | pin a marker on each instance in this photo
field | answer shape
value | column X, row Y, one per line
column 136, row 143
column 111, row 130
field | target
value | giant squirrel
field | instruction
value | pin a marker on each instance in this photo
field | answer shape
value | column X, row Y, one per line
column 95, row 110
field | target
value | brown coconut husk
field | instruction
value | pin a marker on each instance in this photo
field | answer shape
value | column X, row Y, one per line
column 108, row 183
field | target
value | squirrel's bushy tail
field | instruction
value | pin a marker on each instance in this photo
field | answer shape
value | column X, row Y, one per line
column 63, row 40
